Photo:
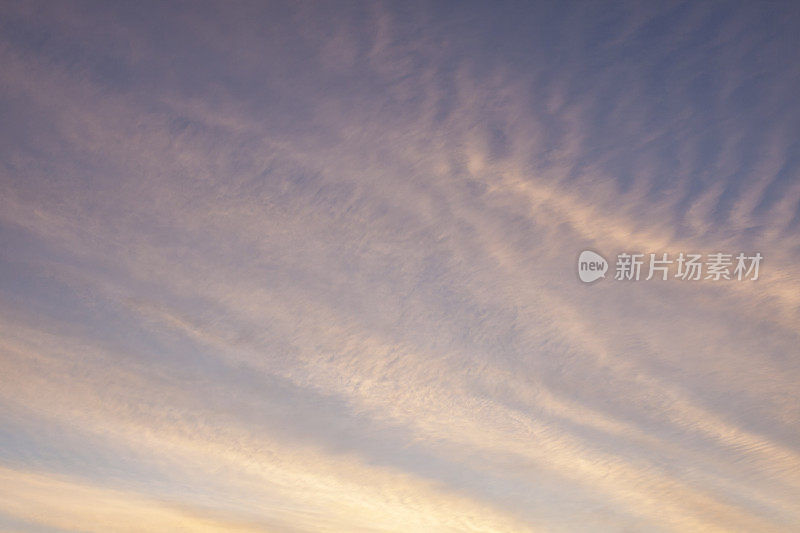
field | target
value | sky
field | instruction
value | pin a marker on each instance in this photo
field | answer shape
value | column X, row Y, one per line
column 312, row 266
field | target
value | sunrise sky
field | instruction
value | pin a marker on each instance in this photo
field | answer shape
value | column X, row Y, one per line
column 311, row 266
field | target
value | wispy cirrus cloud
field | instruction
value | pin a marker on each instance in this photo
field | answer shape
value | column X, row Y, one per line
column 297, row 270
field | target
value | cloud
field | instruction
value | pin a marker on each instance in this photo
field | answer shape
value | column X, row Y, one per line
column 313, row 271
